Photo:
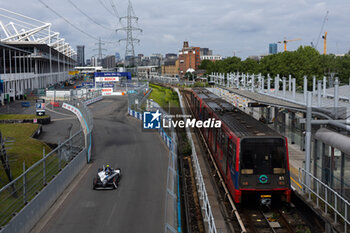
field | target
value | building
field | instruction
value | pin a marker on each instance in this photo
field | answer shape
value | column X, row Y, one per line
column 108, row 62
column 147, row 72
column 273, row 48
column 171, row 56
column 94, row 61
column 189, row 59
column 155, row 60
column 206, row 52
column 81, row 55
column 88, row 62
column 117, row 57
column 211, row 57
column 170, row 68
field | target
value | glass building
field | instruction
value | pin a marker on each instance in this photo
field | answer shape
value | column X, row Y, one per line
column 273, row 48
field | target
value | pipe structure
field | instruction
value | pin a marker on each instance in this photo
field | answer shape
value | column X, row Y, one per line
column 308, row 136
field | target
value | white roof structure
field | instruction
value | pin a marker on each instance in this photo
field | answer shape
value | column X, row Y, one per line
column 191, row 70
column 20, row 29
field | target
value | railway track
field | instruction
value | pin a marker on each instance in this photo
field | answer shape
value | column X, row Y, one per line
column 260, row 220
column 282, row 219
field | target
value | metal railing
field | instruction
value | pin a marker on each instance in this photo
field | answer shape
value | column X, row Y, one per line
column 170, row 80
column 326, row 199
column 16, row 194
column 208, row 215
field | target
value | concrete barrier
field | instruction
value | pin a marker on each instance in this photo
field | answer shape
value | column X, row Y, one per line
column 25, row 220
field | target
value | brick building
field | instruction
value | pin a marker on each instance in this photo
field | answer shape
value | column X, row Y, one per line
column 170, row 67
column 189, row 58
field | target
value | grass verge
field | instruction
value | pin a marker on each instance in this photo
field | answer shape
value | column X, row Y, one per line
column 163, row 96
column 24, row 148
column 20, row 117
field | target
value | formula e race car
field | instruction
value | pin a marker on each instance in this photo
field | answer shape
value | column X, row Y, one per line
column 106, row 178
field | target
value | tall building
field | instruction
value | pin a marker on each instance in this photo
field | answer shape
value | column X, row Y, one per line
column 189, row 59
column 206, row 52
column 273, row 48
column 94, row 61
column 117, row 56
column 108, row 62
column 81, row 55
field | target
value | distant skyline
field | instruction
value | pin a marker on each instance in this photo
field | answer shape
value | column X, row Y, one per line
column 242, row 27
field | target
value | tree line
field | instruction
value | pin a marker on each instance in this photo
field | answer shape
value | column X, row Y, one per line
column 303, row 61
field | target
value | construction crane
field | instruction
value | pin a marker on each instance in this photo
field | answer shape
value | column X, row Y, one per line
column 286, row 41
column 324, row 37
column 319, row 35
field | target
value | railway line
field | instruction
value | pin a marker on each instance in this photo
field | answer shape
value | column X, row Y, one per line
column 254, row 217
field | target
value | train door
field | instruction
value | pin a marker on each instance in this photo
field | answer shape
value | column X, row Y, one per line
column 222, row 157
column 231, row 164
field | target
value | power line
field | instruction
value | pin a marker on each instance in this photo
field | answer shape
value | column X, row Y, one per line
column 87, row 16
column 67, row 21
column 104, row 6
column 114, row 8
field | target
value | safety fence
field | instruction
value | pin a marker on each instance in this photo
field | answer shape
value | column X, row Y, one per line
column 16, row 194
column 326, row 199
column 170, row 80
column 208, row 215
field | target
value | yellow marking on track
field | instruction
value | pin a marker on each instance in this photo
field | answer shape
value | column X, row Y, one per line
column 296, row 182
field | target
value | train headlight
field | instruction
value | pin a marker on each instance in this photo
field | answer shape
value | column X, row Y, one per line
column 245, row 183
column 281, row 178
column 281, row 182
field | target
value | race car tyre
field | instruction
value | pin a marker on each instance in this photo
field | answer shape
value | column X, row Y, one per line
column 94, row 183
column 115, row 183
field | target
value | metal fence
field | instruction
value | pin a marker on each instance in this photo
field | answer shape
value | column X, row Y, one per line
column 16, row 194
column 203, row 196
column 325, row 198
column 170, row 80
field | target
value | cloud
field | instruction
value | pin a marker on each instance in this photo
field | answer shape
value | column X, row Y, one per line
column 224, row 26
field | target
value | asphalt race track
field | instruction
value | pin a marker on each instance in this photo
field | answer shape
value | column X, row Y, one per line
column 138, row 203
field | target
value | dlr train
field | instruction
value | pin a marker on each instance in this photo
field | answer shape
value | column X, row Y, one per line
column 252, row 157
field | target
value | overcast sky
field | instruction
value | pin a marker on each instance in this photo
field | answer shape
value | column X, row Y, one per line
column 243, row 27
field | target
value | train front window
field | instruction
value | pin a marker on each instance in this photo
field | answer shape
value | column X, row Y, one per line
column 263, row 156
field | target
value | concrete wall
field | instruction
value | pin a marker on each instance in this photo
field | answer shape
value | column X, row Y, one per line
column 25, row 220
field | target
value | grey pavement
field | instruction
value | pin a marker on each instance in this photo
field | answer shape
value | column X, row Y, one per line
column 138, row 203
